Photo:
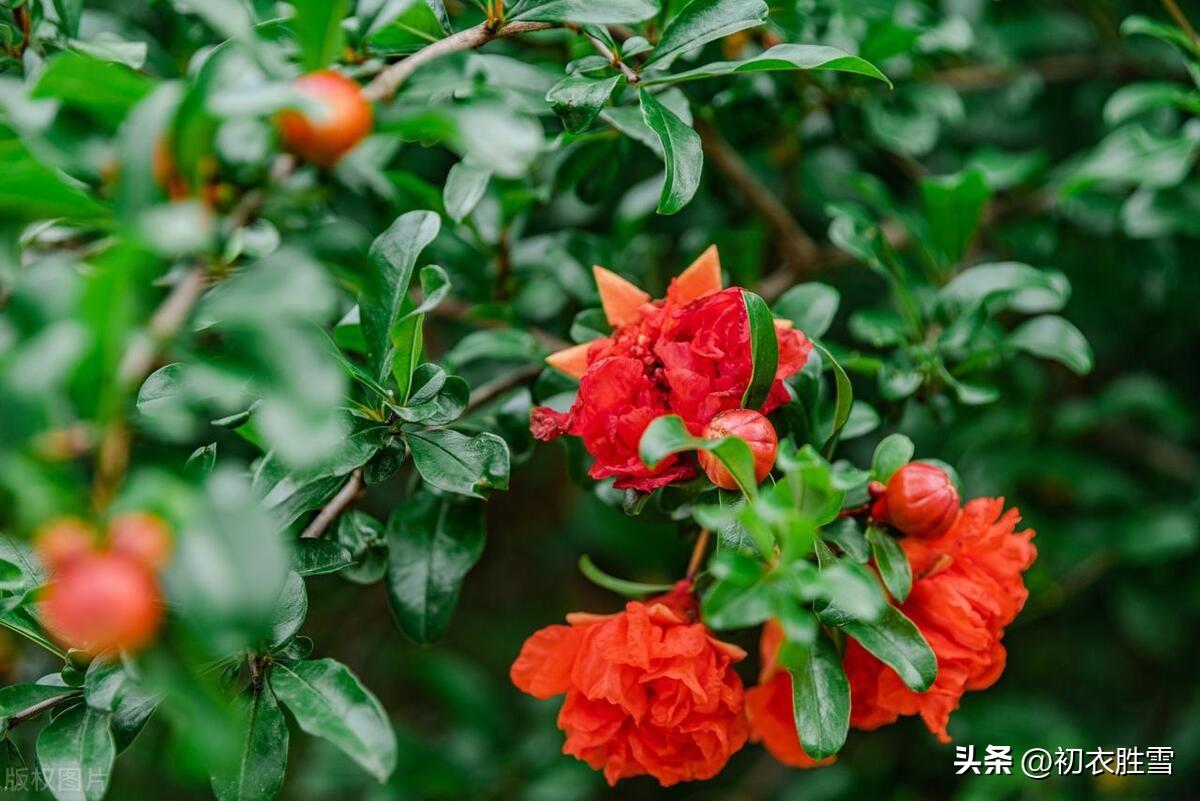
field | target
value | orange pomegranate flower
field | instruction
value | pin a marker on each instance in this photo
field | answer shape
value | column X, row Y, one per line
column 649, row 691
column 967, row 587
column 687, row 354
column 769, row 706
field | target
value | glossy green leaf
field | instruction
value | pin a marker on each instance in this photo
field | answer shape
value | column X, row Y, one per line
column 764, row 351
column 454, row 462
column 702, row 21
column 329, row 701
column 432, row 541
column 102, row 88
column 578, row 99
column 779, row 57
column 258, row 773
column 892, row 563
column 810, row 306
column 69, row 13
column 290, row 611
column 465, row 185
column 392, row 258
column 18, row 697
column 78, row 743
column 585, row 11
column 1053, row 337
column 682, row 154
column 893, row 452
column 1002, row 283
column 895, row 641
column 842, row 401
column 318, row 26
column 820, row 696
column 314, row 557
column 953, row 206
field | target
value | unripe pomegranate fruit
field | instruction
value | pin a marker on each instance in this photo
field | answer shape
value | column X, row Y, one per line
column 143, row 537
column 62, row 541
column 746, row 425
column 920, row 501
column 347, row 118
column 101, row 602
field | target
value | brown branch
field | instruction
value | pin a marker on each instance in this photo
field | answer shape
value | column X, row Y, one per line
column 613, row 56
column 796, row 247
column 33, row 710
column 390, row 79
column 698, row 551
column 1181, row 19
column 165, row 324
column 496, row 387
column 346, row 496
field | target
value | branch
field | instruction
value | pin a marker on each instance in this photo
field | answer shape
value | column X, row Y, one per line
column 347, row 495
column 1181, row 19
column 614, row 57
column 165, row 324
column 387, row 82
column 796, row 246
column 32, row 711
column 498, row 386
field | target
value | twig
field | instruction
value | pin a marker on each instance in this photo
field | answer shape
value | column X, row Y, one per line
column 698, row 551
column 166, row 322
column 347, row 495
column 33, row 710
column 796, row 247
column 495, row 388
column 1181, row 19
column 389, row 80
column 613, row 56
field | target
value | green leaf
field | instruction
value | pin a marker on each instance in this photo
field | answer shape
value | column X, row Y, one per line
column 669, row 434
column 408, row 342
column 318, row 26
column 953, row 206
column 892, row 562
column 682, row 154
column 453, row 462
column 315, row 557
column 17, row 697
column 1146, row 26
column 392, row 257
column 702, row 21
column 432, row 542
column 578, row 99
column 585, row 11
column 79, row 743
column 810, row 306
column 820, row 696
column 895, row 641
column 1053, row 337
column 262, row 761
column 893, row 452
column 629, row 589
column 69, row 13
column 764, row 351
column 289, row 612
column 1001, row 284
column 465, row 185
column 733, row 605
column 31, row 191
column 844, row 399
column 328, row 701
column 779, row 57
column 102, row 88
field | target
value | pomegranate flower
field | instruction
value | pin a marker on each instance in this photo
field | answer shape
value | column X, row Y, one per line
column 649, row 691
column 687, row 354
column 967, row 587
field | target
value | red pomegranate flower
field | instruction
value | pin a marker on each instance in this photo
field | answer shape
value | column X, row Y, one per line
column 769, row 706
column 687, row 354
column 649, row 691
column 967, row 587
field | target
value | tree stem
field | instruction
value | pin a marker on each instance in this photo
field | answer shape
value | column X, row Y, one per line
column 346, row 496
column 698, row 552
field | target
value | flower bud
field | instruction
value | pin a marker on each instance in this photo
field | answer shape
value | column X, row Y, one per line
column 921, row 501
column 347, row 119
column 751, row 427
column 102, row 602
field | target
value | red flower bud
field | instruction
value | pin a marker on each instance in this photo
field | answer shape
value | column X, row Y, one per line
column 101, row 602
column 921, row 501
column 347, row 119
column 747, row 425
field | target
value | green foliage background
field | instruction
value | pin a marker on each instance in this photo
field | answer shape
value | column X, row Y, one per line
column 1071, row 138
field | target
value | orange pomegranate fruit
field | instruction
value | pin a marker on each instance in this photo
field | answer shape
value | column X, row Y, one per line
column 143, row 537
column 345, row 120
column 102, row 602
column 920, row 501
column 62, row 541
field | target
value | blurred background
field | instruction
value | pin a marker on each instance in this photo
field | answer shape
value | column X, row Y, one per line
column 1085, row 128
